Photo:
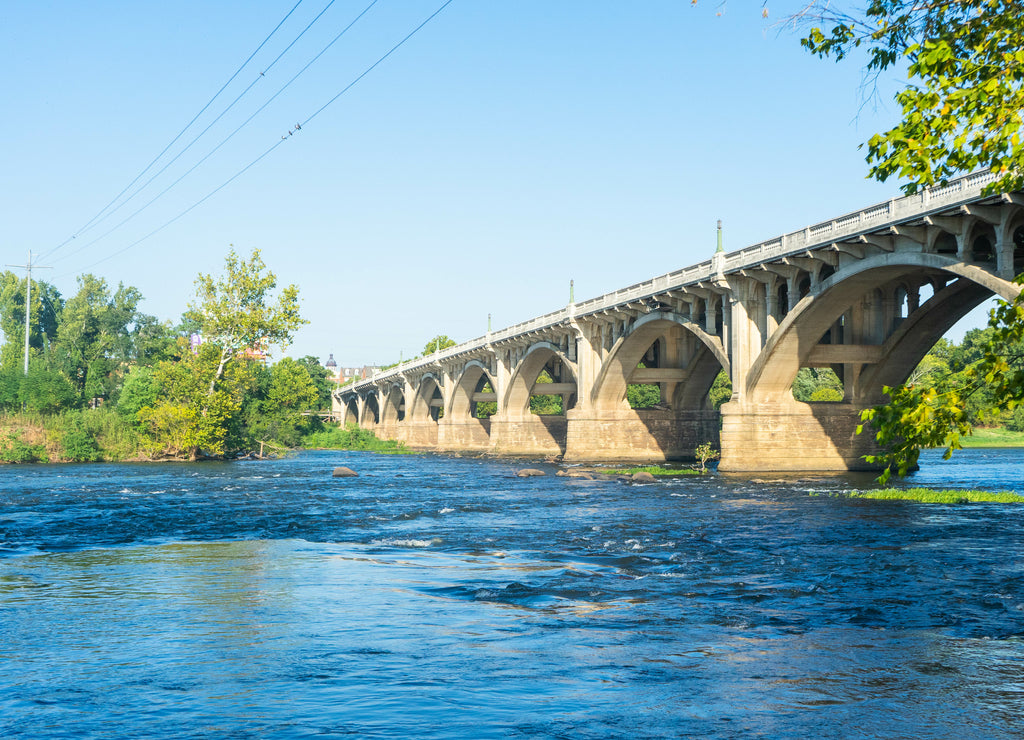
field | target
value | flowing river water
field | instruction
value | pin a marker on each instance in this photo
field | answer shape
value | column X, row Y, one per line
column 437, row 597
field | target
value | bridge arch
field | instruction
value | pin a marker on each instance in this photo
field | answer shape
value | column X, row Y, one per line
column 515, row 402
column 428, row 399
column 1012, row 238
column 393, row 406
column 351, row 414
column 371, row 411
column 791, row 346
column 690, row 359
column 475, row 377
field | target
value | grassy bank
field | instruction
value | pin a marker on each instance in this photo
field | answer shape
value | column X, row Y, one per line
column 932, row 496
column 87, row 435
column 656, row 470
column 993, row 437
column 353, row 438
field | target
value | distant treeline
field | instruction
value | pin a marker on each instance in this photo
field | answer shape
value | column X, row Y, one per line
column 107, row 382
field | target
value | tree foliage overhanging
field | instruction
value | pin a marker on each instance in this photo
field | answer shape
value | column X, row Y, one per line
column 962, row 110
column 963, row 106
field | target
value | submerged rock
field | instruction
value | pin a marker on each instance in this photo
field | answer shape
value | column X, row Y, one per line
column 530, row 472
column 643, row 477
column 343, row 472
column 585, row 474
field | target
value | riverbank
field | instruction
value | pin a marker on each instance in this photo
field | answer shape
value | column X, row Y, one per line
column 993, row 437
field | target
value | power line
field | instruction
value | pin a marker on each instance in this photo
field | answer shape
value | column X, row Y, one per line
column 232, row 134
column 198, row 136
column 298, row 127
column 180, row 133
column 375, row 64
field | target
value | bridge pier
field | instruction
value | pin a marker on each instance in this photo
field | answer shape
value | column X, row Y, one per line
column 541, row 436
column 648, row 435
column 421, row 434
column 468, row 435
column 794, row 437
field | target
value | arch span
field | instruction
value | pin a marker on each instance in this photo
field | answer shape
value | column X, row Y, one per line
column 463, row 427
column 791, row 346
column 465, row 392
column 695, row 355
column 393, row 408
column 870, row 344
column 515, row 402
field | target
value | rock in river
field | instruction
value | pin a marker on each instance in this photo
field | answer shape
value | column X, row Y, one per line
column 530, row 472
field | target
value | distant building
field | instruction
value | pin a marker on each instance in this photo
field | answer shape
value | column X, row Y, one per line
column 343, row 375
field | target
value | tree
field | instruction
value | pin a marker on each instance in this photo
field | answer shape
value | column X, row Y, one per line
column 279, row 410
column 438, row 343
column 235, row 312
column 202, row 392
column 94, row 336
column 320, row 377
column 196, row 412
column 704, row 453
column 721, row 390
column 963, row 106
column 813, row 384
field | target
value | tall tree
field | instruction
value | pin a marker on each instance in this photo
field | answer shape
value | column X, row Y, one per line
column 202, row 392
column 320, row 376
column 94, row 336
column 438, row 343
column 236, row 312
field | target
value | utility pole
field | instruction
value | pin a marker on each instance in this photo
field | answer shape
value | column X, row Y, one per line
column 28, row 298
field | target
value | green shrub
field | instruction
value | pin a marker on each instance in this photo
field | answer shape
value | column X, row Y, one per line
column 826, row 395
column 78, row 444
column 1016, row 421
column 14, row 450
column 353, row 437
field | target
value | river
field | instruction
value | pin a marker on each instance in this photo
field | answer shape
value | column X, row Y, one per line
column 437, row 597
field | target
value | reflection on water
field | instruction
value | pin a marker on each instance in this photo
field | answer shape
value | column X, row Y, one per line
column 436, row 597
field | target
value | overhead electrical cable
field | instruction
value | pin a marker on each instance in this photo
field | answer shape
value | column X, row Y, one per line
column 212, row 123
column 230, row 136
column 375, row 64
column 283, row 138
column 180, row 133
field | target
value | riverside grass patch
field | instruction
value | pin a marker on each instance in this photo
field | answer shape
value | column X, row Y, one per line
column 356, row 439
column 932, row 496
column 655, row 470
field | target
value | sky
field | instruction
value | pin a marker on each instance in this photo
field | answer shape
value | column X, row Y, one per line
column 502, row 150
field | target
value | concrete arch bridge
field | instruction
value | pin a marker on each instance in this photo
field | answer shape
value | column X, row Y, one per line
column 866, row 294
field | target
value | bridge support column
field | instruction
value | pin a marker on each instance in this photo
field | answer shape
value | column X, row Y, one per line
column 528, row 436
column 648, row 435
column 794, row 437
column 420, row 434
column 464, row 435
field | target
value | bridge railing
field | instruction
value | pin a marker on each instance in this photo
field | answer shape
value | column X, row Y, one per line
column 920, row 204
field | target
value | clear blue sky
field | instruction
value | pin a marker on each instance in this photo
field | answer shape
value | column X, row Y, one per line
column 505, row 149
